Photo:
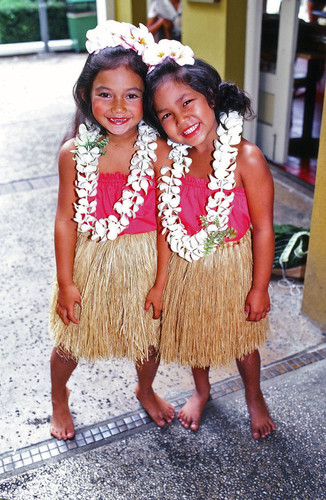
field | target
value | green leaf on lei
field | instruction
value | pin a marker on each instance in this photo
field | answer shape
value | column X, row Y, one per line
column 95, row 142
column 215, row 237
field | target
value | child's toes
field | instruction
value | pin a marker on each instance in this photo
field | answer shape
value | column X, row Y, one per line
column 184, row 422
column 159, row 422
column 255, row 434
column 194, row 426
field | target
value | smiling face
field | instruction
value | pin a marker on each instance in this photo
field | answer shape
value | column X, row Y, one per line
column 185, row 114
column 117, row 100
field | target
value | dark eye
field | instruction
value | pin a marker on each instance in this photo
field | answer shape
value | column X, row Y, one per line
column 104, row 94
column 133, row 96
column 164, row 117
column 187, row 102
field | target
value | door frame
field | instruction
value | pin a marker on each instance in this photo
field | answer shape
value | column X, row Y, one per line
column 271, row 130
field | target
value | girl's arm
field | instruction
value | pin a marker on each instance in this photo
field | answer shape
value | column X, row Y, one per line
column 259, row 188
column 155, row 23
column 155, row 295
column 65, row 235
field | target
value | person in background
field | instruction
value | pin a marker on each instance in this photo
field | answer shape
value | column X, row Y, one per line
column 315, row 5
column 164, row 19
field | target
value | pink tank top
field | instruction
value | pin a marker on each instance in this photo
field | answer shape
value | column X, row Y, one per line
column 194, row 196
column 109, row 190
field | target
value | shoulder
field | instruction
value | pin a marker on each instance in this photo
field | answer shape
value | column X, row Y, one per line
column 250, row 153
column 255, row 173
column 251, row 161
column 66, row 157
column 66, row 150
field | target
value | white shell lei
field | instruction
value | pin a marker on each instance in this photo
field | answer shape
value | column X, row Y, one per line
column 87, row 154
column 219, row 205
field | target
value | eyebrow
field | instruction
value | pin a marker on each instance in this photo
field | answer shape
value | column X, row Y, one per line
column 103, row 87
column 178, row 100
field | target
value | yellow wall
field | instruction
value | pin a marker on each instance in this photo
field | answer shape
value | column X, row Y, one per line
column 216, row 33
column 123, row 11
column 131, row 11
column 139, row 12
column 314, row 295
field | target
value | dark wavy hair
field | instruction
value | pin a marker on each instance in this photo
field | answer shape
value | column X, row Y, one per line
column 201, row 77
column 108, row 58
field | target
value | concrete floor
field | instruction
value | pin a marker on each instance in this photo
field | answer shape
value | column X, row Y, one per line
column 36, row 109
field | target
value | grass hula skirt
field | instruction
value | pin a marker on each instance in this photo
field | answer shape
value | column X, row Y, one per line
column 203, row 322
column 114, row 278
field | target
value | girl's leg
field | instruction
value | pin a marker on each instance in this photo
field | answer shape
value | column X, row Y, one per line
column 157, row 408
column 62, row 366
column 190, row 414
column 261, row 422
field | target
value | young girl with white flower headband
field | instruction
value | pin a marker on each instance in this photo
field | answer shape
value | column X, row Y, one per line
column 105, row 228
column 216, row 240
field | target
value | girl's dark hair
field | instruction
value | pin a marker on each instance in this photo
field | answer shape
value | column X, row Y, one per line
column 201, row 77
column 108, row 58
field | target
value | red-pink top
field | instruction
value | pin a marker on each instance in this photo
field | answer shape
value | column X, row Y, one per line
column 109, row 191
column 194, row 196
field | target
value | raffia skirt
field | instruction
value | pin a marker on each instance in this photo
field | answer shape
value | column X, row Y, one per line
column 203, row 321
column 114, row 278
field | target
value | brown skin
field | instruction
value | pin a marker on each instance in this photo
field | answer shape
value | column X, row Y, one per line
column 181, row 109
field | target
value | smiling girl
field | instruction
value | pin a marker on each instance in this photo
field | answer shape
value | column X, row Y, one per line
column 105, row 226
column 216, row 240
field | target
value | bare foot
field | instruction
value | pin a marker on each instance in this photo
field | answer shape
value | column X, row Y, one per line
column 62, row 426
column 190, row 414
column 157, row 408
column 261, row 421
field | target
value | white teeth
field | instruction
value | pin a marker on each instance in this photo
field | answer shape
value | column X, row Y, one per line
column 191, row 129
column 118, row 121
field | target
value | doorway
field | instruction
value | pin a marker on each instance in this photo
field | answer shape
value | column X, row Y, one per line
column 291, row 87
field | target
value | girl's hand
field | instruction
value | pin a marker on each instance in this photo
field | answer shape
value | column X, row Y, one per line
column 68, row 296
column 257, row 304
column 154, row 298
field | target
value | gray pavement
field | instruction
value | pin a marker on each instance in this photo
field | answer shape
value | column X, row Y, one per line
column 219, row 462
column 119, row 453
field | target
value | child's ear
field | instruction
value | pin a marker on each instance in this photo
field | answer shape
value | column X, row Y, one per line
column 210, row 99
column 82, row 95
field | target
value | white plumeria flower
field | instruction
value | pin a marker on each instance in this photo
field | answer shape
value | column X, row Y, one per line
column 104, row 35
column 113, row 33
column 155, row 54
column 182, row 54
column 142, row 38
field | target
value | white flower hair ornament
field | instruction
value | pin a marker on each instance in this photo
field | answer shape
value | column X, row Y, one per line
column 113, row 34
column 156, row 53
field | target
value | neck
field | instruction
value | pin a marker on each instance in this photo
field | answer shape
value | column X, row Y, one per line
column 208, row 145
column 125, row 139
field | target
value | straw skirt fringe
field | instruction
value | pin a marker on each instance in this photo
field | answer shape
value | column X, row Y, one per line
column 114, row 278
column 203, row 322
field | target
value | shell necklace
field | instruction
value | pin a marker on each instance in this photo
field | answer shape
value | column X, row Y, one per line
column 89, row 148
column 215, row 223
